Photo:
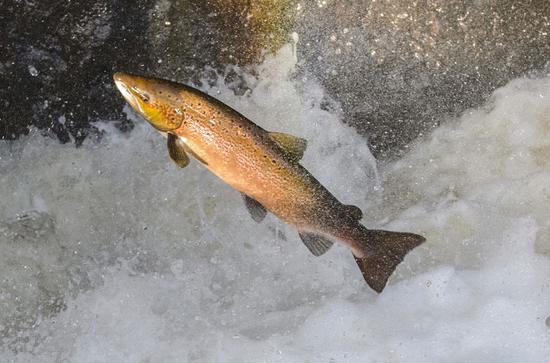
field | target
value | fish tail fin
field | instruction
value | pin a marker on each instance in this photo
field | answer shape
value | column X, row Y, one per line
column 381, row 252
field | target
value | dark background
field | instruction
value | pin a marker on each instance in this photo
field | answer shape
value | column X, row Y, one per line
column 396, row 67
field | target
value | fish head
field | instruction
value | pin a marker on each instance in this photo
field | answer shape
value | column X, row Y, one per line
column 156, row 100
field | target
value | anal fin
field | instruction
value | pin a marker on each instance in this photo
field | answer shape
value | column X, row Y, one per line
column 315, row 243
column 256, row 210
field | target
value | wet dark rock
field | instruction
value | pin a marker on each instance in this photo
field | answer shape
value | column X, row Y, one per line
column 57, row 60
column 397, row 67
column 193, row 34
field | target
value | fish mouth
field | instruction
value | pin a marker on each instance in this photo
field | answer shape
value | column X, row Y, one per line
column 122, row 82
column 118, row 76
column 121, row 79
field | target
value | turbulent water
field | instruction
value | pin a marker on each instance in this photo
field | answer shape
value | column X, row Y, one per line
column 112, row 253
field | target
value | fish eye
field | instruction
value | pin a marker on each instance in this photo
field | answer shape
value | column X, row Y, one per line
column 144, row 96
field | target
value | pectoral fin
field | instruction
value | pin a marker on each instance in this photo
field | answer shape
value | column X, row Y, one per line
column 176, row 150
column 315, row 243
column 293, row 146
column 256, row 210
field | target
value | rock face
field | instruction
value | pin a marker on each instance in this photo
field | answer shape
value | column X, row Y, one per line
column 57, row 59
column 191, row 34
column 397, row 67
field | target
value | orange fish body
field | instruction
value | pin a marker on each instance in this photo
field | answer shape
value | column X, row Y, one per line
column 264, row 167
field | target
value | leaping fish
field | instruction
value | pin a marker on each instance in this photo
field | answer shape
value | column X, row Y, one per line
column 264, row 166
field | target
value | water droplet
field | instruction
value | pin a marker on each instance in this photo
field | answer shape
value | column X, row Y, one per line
column 33, row 71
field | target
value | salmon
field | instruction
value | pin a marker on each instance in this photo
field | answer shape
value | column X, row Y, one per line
column 265, row 167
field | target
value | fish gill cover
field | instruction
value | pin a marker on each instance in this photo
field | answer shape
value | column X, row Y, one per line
column 111, row 253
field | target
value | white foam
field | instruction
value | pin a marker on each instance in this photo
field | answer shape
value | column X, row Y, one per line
column 131, row 259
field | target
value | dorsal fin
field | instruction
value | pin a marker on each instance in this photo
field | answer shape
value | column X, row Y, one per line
column 293, row 146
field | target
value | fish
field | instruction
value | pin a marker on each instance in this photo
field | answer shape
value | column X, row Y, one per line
column 264, row 166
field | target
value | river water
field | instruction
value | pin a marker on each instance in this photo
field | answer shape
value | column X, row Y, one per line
column 110, row 253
